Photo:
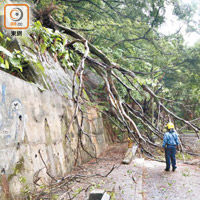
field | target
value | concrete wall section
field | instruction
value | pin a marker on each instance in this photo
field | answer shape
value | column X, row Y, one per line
column 34, row 124
column 191, row 142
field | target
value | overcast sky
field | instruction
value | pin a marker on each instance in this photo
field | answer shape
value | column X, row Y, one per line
column 172, row 24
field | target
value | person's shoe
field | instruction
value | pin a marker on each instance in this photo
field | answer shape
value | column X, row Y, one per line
column 167, row 170
column 174, row 168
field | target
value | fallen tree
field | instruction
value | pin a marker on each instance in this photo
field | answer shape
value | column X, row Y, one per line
column 111, row 74
column 127, row 110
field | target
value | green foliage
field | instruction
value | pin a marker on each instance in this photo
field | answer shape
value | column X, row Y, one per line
column 5, row 51
column 127, row 32
column 17, row 61
column 112, row 195
column 129, row 171
column 25, row 191
column 10, row 61
column 54, row 42
column 77, row 191
column 14, row 61
column 180, row 156
column 186, row 172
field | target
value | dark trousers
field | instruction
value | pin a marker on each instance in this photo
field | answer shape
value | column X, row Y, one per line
column 170, row 155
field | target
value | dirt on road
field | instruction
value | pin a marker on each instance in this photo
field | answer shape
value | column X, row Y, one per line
column 158, row 184
column 141, row 180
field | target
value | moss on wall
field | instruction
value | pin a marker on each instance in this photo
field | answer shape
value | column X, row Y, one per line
column 18, row 169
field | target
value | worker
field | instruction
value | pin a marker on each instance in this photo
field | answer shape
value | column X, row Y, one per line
column 170, row 143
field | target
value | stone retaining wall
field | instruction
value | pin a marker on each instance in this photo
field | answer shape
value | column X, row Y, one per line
column 191, row 141
column 33, row 126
